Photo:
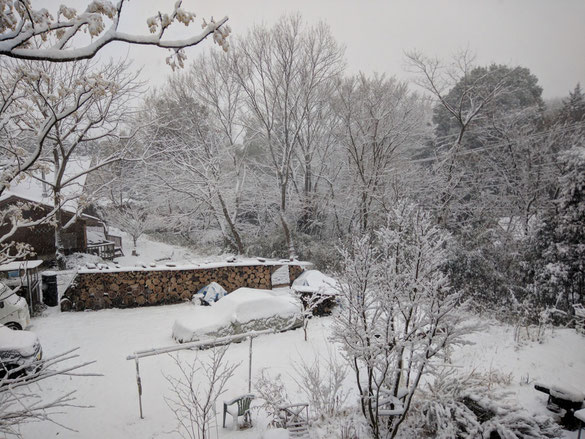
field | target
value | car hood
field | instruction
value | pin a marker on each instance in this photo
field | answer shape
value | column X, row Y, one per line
column 24, row 343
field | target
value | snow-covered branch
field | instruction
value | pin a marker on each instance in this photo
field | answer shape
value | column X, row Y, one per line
column 22, row 26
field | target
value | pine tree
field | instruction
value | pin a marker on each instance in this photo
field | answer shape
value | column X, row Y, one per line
column 574, row 106
column 560, row 243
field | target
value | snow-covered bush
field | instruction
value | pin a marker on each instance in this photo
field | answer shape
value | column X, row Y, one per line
column 474, row 406
column 310, row 302
column 397, row 311
column 273, row 392
column 322, row 382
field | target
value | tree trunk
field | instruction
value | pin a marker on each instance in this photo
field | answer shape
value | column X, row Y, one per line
column 233, row 229
column 287, row 235
column 59, row 249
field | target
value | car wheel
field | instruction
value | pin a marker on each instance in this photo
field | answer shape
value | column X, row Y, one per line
column 13, row 325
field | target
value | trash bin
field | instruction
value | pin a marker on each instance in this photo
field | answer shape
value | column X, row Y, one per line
column 50, row 292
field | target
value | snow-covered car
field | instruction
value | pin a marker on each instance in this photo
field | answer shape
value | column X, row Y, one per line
column 244, row 310
column 20, row 352
column 13, row 309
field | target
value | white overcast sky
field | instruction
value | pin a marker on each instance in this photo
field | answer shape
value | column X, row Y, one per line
column 547, row 36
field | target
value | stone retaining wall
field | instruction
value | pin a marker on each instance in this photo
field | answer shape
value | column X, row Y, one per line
column 131, row 288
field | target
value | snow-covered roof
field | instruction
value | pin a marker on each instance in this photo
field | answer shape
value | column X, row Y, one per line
column 31, row 188
column 95, row 235
column 21, row 265
column 313, row 281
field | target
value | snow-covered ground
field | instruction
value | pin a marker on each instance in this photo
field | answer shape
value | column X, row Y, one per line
column 108, row 336
column 152, row 251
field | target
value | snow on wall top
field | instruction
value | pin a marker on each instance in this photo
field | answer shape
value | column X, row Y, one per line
column 171, row 266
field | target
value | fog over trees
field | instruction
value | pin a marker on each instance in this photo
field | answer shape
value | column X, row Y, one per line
column 272, row 149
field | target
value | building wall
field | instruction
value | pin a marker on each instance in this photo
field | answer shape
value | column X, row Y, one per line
column 42, row 237
column 127, row 289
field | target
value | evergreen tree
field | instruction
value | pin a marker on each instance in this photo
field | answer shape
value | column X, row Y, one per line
column 500, row 89
column 574, row 106
column 560, row 273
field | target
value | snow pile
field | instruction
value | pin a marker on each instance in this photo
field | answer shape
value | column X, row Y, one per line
column 312, row 281
column 246, row 309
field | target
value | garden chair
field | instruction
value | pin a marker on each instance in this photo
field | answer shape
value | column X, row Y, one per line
column 242, row 408
column 295, row 419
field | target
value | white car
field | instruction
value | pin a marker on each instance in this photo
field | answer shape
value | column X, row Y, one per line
column 13, row 309
column 20, row 353
column 244, row 310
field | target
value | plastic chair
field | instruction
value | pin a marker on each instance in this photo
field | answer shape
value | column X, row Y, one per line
column 242, row 408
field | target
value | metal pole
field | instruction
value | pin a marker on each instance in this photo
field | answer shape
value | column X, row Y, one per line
column 250, row 368
column 139, row 384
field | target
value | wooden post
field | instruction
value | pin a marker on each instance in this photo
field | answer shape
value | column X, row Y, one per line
column 250, row 368
column 139, row 384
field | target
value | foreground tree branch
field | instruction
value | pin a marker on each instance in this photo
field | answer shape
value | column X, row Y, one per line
column 22, row 27
column 21, row 398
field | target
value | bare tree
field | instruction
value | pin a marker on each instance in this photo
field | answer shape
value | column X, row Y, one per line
column 35, row 34
column 281, row 71
column 74, row 136
column 322, row 381
column 196, row 390
column 38, row 109
column 217, row 88
column 380, row 118
column 310, row 303
column 133, row 219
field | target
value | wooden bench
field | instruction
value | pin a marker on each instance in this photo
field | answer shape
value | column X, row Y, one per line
column 565, row 402
column 242, row 408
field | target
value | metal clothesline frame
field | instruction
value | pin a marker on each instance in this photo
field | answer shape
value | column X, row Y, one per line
column 207, row 343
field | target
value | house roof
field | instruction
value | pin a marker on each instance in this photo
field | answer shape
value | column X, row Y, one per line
column 20, row 265
column 30, row 188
